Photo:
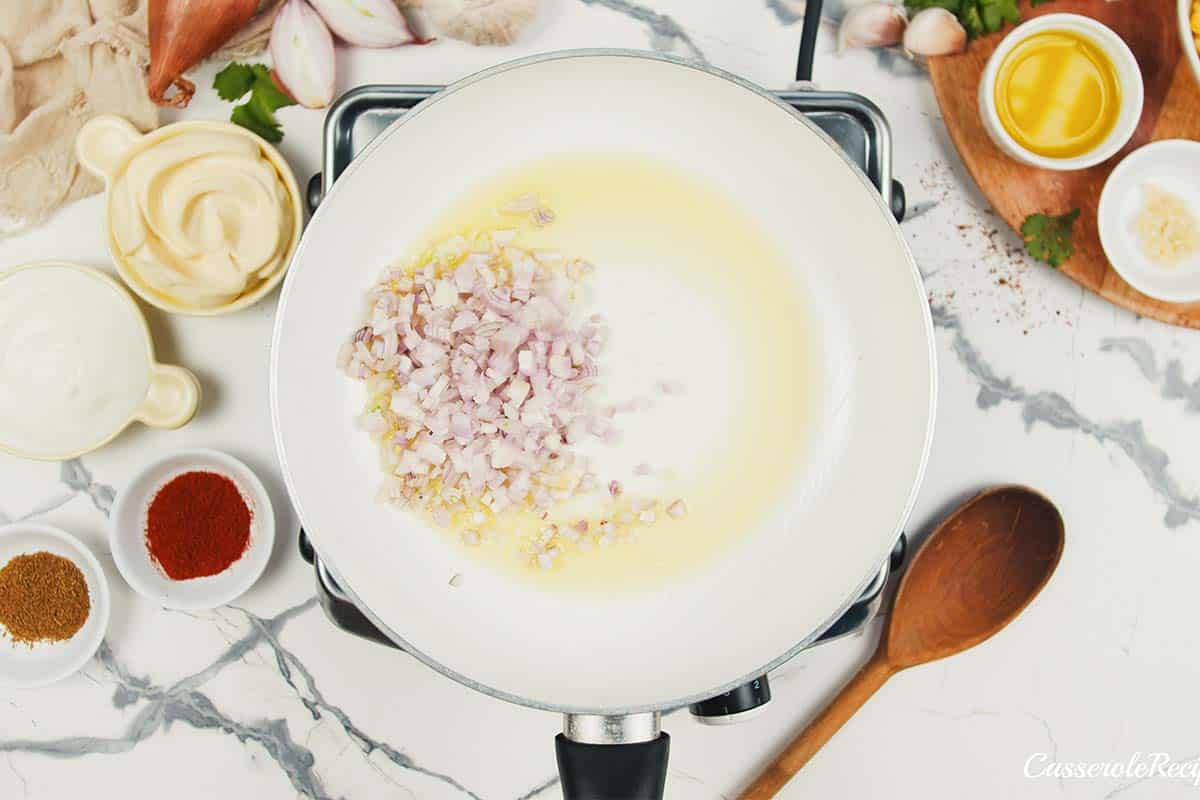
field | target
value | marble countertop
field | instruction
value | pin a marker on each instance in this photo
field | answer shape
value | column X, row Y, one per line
column 1041, row 383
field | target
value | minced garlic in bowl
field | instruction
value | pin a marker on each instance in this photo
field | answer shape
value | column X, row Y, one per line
column 1168, row 232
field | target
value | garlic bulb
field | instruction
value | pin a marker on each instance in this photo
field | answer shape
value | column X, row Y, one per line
column 481, row 21
column 872, row 25
column 367, row 23
column 935, row 32
column 302, row 53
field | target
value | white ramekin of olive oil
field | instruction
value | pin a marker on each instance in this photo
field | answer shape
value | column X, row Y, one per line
column 1061, row 92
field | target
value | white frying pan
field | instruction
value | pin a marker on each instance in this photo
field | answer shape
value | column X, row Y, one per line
column 611, row 662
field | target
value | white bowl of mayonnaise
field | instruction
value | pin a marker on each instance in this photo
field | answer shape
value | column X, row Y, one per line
column 78, row 364
column 203, row 217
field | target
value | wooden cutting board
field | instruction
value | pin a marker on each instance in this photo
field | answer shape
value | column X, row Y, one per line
column 1172, row 111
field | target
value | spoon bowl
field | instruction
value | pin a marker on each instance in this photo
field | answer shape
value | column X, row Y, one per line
column 973, row 575
column 978, row 569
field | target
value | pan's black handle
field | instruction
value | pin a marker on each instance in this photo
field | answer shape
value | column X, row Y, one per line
column 636, row 771
column 808, row 39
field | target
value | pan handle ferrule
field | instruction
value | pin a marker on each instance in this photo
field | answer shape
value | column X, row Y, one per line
column 612, row 729
column 612, row 757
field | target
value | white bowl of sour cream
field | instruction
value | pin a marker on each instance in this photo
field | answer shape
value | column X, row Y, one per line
column 203, row 217
column 77, row 364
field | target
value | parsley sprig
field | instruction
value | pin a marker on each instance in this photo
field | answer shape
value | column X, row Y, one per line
column 257, row 113
column 1048, row 238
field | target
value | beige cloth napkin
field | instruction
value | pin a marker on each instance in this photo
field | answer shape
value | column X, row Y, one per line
column 61, row 63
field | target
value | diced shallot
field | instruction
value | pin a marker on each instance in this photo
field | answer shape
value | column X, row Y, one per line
column 480, row 372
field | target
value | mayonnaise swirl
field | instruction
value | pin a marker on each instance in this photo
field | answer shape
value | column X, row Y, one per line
column 201, row 217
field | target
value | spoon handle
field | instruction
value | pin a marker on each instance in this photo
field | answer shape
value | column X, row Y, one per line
column 851, row 698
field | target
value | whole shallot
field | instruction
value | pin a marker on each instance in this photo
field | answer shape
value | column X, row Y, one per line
column 367, row 23
column 182, row 34
column 302, row 51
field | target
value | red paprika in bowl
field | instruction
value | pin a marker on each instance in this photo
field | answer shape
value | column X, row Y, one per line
column 198, row 524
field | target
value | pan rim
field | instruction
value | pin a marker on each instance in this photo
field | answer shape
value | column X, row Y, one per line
column 931, row 353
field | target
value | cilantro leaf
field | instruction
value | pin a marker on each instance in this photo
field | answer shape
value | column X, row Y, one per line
column 268, row 129
column 267, row 92
column 997, row 12
column 1048, row 238
column 233, row 81
column 972, row 20
column 257, row 113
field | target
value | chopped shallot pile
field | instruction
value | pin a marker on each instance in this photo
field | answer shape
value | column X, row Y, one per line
column 480, row 367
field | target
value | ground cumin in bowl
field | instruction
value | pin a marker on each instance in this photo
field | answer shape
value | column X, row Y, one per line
column 43, row 598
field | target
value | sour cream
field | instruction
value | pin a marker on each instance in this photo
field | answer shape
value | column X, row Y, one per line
column 74, row 361
column 201, row 217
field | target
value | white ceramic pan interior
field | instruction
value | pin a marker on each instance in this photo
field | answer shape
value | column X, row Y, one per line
column 781, row 585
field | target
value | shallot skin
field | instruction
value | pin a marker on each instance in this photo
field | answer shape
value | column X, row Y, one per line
column 182, row 34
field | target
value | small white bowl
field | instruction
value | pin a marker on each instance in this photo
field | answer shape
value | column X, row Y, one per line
column 1173, row 165
column 127, row 534
column 1187, row 38
column 1129, row 74
column 23, row 666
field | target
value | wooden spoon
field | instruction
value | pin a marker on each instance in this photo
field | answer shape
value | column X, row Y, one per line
column 971, row 577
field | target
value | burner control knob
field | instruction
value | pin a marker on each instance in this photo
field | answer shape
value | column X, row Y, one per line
column 736, row 705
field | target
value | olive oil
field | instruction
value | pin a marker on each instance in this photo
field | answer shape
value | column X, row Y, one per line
column 733, row 440
column 1058, row 94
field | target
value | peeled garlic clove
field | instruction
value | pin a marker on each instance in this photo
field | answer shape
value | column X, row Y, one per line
column 935, row 32
column 367, row 23
column 302, row 52
column 872, row 25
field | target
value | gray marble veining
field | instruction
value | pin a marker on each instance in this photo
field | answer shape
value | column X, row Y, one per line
column 184, row 702
column 1170, row 379
column 317, row 705
column 665, row 31
column 1052, row 409
column 78, row 478
column 1137, row 349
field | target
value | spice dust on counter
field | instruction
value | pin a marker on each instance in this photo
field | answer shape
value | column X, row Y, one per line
column 43, row 598
column 197, row 525
column 986, row 274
